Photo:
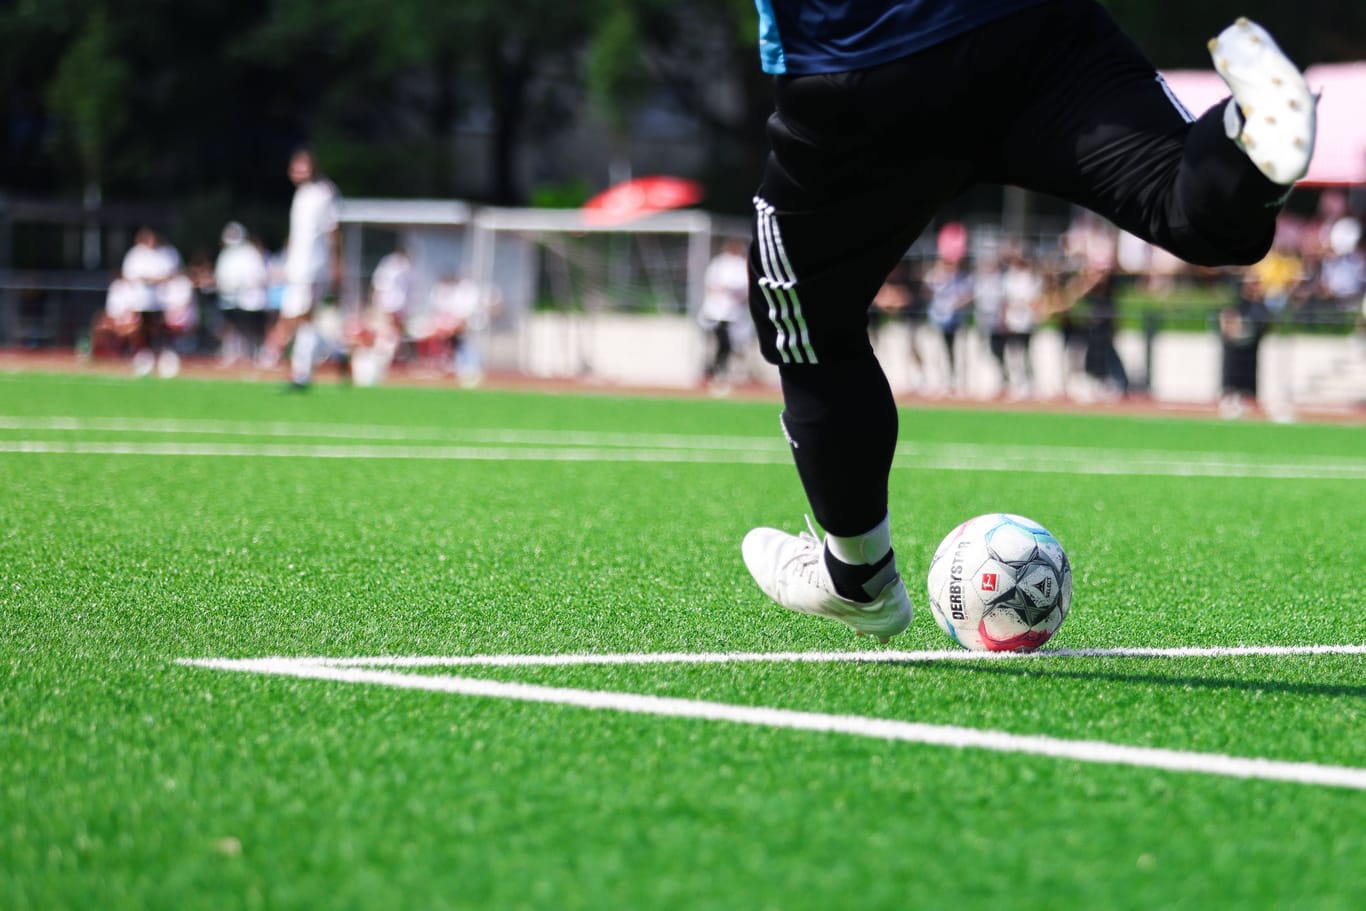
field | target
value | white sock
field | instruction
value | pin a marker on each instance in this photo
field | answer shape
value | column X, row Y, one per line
column 305, row 351
column 867, row 548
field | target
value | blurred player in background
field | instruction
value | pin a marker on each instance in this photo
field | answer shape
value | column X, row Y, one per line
column 725, row 311
column 241, row 277
column 391, row 289
column 312, row 266
column 459, row 311
column 886, row 110
column 150, row 268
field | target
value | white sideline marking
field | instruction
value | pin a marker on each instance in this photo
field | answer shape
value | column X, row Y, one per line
column 431, row 453
column 1041, row 460
column 400, row 433
column 760, row 449
column 911, row 732
column 615, row 439
column 868, row 657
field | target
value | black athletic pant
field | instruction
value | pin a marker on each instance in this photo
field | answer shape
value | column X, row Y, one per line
column 716, row 367
column 1054, row 99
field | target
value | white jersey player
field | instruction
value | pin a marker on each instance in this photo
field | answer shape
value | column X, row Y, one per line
column 312, row 263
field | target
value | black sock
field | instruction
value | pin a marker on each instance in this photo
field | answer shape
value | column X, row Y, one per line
column 854, row 581
column 841, row 421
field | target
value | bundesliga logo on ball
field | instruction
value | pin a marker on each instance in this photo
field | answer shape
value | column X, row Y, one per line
column 1000, row 582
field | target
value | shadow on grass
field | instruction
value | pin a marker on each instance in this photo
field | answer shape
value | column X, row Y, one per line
column 1208, row 683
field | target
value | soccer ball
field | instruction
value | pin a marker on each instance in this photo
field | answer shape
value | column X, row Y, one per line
column 1000, row 583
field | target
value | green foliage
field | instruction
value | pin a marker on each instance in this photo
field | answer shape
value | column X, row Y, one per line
column 568, row 195
column 220, row 92
column 615, row 73
column 1174, row 34
column 88, row 91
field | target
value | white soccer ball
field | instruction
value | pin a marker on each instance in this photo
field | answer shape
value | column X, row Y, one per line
column 1000, row 583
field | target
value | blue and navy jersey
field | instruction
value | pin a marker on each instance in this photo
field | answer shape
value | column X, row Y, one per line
column 830, row 36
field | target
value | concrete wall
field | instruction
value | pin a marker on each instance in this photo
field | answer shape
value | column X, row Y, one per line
column 668, row 351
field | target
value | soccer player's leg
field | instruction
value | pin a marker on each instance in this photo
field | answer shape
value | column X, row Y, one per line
column 810, row 291
column 294, row 327
column 852, row 180
column 1103, row 130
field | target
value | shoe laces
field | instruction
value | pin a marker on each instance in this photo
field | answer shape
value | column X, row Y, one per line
column 808, row 560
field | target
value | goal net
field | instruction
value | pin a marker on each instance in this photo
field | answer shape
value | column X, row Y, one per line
column 564, row 297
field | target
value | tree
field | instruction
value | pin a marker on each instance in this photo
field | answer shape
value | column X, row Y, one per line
column 705, row 55
column 1174, row 33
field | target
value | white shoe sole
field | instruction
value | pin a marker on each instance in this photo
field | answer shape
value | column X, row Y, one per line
column 1278, row 109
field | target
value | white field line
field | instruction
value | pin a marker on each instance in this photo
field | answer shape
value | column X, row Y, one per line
column 398, row 433
column 867, row 657
column 853, row 725
column 425, row 453
column 923, row 458
column 969, row 456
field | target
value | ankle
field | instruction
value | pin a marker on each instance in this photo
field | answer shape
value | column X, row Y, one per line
column 860, row 581
column 869, row 547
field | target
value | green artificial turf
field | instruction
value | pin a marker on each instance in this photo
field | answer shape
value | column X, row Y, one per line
column 146, row 522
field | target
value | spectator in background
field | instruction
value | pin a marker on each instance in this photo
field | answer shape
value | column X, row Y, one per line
column 988, row 308
column 901, row 297
column 1071, row 321
column 725, row 311
column 312, row 265
column 391, row 289
column 180, row 318
column 1307, row 296
column 1280, row 273
column 1101, row 362
column 149, row 267
column 949, row 285
column 241, row 276
column 116, row 330
column 1022, row 303
column 1241, row 328
column 374, row 335
column 459, row 310
column 1343, row 273
column 149, row 263
column 372, row 339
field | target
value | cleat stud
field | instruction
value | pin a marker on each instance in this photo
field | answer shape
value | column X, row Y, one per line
column 1294, row 105
column 1223, row 63
column 1245, row 139
column 1299, row 143
column 1276, row 80
column 1243, row 22
column 1213, row 45
column 1271, row 120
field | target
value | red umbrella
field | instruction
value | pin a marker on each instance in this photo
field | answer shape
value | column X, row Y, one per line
column 638, row 197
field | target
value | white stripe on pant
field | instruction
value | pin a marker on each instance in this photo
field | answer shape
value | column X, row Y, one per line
column 779, row 286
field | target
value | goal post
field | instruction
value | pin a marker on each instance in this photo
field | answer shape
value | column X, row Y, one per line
column 592, row 300
column 571, row 298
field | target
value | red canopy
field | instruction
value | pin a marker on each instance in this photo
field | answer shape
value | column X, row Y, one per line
column 1340, row 146
column 638, row 197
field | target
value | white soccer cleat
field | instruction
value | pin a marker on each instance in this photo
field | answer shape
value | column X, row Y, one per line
column 791, row 570
column 1274, row 118
column 144, row 362
column 168, row 364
